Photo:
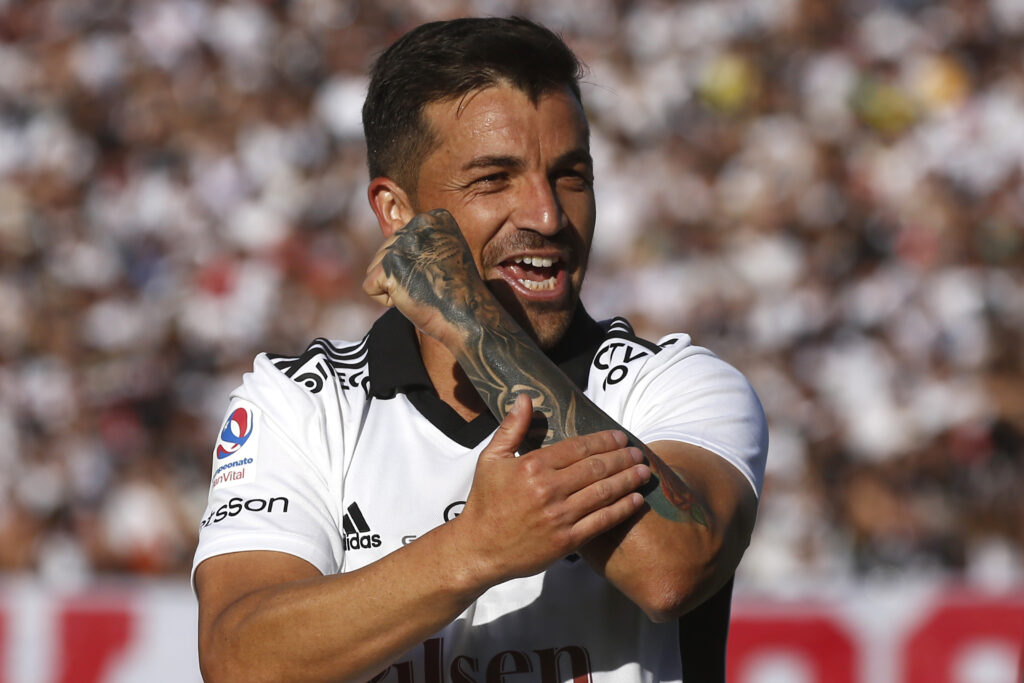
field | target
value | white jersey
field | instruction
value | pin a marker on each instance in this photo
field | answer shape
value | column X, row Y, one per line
column 345, row 453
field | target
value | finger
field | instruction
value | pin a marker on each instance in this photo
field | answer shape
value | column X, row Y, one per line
column 570, row 451
column 383, row 299
column 377, row 258
column 374, row 283
column 605, row 518
column 371, row 283
column 512, row 429
column 608, row 490
column 382, row 251
column 374, row 286
column 600, row 466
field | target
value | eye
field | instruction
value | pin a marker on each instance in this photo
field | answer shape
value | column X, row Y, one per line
column 575, row 179
column 492, row 177
column 491, row 182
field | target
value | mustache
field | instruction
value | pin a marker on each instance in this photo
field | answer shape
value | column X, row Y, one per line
column 525, row 240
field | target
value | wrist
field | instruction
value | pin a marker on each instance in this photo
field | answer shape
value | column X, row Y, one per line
column 460, row 330
column 474, row 571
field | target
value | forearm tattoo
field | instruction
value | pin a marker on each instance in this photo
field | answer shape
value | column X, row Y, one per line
column 431, row 262
column 503, row 362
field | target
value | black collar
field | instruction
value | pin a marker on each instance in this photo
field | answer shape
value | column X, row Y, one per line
column 396, row 367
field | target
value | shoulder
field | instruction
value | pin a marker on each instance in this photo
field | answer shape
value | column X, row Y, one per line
column 343, row 364
column 327, row 379
column 622, row 355
column 622, row 346
column 674, row 389
column 673, row 367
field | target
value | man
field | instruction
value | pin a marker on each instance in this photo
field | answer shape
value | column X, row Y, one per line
column 369, row 517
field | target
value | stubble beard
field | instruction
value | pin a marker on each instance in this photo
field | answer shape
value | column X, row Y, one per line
column 545, row 323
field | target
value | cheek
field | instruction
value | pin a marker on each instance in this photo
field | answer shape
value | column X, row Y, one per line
column 479, row 226
column 581, row 211
column 578, row 206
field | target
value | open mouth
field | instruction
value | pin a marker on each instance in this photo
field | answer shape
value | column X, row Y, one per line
column 535, row 276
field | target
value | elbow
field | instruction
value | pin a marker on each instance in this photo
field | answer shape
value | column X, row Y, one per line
column 673, row 600
column 221, row 669
column 215, row 667
column 663, row 613
column 214, row 664
column 662, row 603
column 219, row 663
column 665, row 594
column 211, row 669
column 675, row 589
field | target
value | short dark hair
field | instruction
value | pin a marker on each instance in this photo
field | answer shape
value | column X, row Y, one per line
column 444, row 60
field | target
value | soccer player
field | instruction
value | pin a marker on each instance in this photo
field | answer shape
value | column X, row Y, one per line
column 490, row 483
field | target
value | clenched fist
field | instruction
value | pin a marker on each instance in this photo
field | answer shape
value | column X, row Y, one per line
column 426, row 270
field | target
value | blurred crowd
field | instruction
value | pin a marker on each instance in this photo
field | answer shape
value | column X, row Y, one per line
column 827, row 194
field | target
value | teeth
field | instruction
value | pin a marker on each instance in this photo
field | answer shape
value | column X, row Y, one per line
column 536, row 261
column 539, row 285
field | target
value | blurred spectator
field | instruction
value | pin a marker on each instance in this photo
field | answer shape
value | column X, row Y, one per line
column 827, row 194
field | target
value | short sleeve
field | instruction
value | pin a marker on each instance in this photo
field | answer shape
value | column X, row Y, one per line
column 270, row 485
column 680, row 392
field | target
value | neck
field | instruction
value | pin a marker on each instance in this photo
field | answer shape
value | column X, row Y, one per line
column 449, row 380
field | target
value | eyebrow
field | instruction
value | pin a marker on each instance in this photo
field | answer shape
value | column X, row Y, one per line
column 570, row 158
column 573, row 157
column 488, row 161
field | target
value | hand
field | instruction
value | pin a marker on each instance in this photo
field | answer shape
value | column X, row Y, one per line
column 525, row 513
column 426, row 270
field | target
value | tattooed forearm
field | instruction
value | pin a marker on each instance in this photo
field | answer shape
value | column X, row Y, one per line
column 503, row 362
column 434, row 267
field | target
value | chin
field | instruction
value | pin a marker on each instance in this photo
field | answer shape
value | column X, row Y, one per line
column 546, row 322
column 547, row 327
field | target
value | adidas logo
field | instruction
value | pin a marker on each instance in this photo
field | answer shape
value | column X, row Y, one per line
column 357, row 531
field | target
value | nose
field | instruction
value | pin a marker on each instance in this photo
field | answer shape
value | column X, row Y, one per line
column 538, row 208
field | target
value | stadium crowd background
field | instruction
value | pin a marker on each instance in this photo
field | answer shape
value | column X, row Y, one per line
column 828, row 194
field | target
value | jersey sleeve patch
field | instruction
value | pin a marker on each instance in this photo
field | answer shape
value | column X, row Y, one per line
column 234, row 456
column 324, row 361
column 620, row 355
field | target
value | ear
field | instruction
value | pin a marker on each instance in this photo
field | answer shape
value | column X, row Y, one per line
column 390, row 204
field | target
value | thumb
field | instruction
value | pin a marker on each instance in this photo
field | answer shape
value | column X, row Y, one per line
column 512, row 429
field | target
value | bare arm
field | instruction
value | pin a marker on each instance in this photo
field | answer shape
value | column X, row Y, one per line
column 267, row 616
column 703, row 508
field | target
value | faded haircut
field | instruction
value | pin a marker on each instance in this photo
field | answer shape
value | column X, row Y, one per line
column 445, row 60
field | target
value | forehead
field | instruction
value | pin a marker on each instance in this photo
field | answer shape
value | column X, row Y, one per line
column 504, row 120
